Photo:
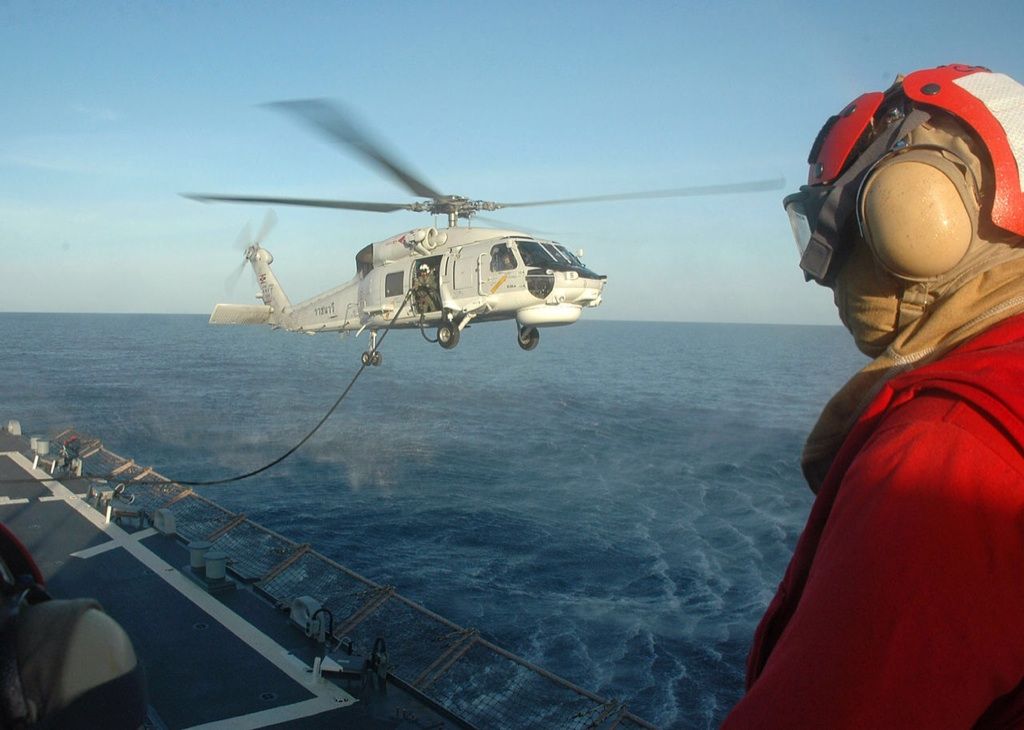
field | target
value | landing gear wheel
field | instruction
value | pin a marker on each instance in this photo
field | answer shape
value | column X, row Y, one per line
column 528, row 337
column 376, row 358
column 447, row 335
column 365, row 358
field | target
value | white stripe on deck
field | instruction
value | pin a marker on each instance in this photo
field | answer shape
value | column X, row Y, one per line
column 8, row 500
column 328, row 696
column 273, row 716
column 111, row 544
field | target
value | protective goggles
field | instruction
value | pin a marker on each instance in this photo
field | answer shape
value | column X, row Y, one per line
column 817, row 244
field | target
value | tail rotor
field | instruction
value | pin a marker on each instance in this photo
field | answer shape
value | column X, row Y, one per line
column 249, row 245
column 269, row 221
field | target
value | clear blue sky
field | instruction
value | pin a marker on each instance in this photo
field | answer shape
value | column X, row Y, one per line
column 113, row 108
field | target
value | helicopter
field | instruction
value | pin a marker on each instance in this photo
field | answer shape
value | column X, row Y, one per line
column 427, row 277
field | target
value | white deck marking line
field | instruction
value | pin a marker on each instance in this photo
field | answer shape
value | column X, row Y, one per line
column 8, row 500
column 273, row 716
column 96, row 550
column 331, row 696
column 51, row 498
column 111, row 544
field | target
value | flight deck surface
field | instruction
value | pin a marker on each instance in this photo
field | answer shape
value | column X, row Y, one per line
column 224, row 654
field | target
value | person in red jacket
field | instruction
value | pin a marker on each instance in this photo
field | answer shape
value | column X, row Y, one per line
column 903, row 605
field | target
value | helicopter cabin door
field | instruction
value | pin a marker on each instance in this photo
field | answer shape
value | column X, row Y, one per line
column 426, row 289
column 467, row 277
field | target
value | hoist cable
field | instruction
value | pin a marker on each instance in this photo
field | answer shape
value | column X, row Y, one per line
column 254, row 472
column 424, row 333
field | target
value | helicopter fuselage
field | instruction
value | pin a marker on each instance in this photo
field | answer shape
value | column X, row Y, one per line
column 424, row 276
column 445, row 278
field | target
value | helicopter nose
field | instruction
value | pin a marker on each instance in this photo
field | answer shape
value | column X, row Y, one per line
column 581, row 290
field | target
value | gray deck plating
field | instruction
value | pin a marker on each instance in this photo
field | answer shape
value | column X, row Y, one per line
column 233, row 659
column 211, row 662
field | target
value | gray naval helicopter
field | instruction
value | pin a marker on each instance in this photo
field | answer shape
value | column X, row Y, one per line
column 453, row 276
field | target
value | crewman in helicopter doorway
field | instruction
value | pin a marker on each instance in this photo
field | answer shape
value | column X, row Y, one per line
column 903, row 605
column 425, row 290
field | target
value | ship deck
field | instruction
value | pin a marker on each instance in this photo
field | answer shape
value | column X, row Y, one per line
column 224, row 654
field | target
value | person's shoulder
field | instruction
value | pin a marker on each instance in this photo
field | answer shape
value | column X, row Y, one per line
column 937, row 435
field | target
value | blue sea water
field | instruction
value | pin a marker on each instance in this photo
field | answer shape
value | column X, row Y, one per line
column 617, row 506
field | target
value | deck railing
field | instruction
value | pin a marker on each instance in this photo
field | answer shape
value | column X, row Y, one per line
column 472, row 678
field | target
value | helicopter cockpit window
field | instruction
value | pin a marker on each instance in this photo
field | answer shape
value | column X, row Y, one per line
column 393, row 285
column 536, row 255
column 567, row 254
column 502, row 258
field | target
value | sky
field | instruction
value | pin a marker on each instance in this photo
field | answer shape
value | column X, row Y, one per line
column 112, row 109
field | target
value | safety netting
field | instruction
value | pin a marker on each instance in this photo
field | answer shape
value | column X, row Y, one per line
column 473, row 679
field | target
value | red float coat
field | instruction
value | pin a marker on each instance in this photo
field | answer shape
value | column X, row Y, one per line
column 903, row 605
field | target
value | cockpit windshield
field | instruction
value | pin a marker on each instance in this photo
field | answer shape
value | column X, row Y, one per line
column 536, row 255
column 551, row 255
column 569, row 255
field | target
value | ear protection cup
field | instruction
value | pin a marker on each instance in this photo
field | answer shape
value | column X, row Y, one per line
column 918, row 213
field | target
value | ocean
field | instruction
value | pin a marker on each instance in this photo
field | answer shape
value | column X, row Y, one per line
column 617, row 505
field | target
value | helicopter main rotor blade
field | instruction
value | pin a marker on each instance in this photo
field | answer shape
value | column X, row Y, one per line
column 307, row 202
column 330, row 121
column 495, row 223
column 723, row 189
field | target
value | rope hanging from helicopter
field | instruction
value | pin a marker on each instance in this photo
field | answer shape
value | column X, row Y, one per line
column 423, row 331
column 240, row 477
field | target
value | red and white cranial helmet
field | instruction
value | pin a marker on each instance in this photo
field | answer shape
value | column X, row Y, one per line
column 876, row 126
